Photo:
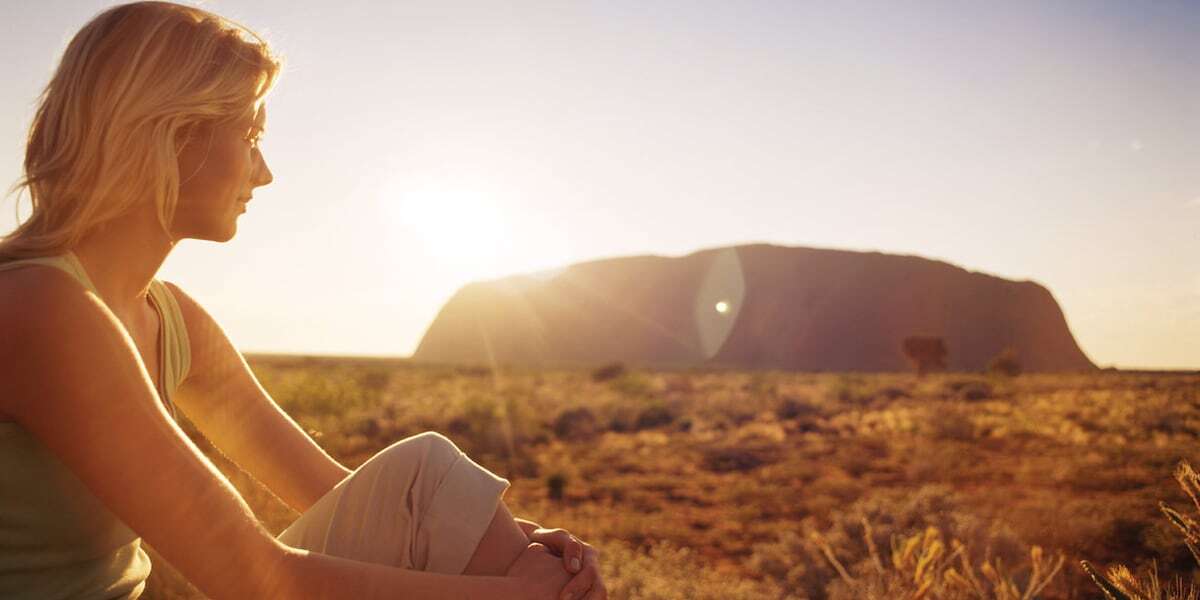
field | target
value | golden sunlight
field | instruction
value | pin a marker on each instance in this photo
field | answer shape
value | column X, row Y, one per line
column 461, row 228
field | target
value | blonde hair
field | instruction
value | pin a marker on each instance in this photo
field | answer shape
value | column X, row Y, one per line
column 130, row 87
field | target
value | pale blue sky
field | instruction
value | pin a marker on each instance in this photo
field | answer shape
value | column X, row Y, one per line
column 420, row 145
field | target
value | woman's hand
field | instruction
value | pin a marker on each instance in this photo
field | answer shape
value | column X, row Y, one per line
column 540, row 574
column 578, row 557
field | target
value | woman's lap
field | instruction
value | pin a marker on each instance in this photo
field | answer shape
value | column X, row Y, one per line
column 418, row 504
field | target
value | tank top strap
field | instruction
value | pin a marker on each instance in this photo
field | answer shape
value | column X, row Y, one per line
column 176, row 345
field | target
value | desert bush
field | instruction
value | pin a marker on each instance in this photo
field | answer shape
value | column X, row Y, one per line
column 498, row 427
column 892, row 392
column 680, row 384
column 849, row 392
column 926, row 353
column 1005, row 363
column 968, row 389
column 955, row 425
column 1119, row 583
column 741, row 458
column 669, row 572
column 655, row 415
column 556, row 486
column 792, row 408
column 922, row 565
column 621, row 418
column 1163, row 414
column 631, row 385
column 609, row 371
column 843, row 561
column 760, row 384
column 317, row 393
column 575, row 423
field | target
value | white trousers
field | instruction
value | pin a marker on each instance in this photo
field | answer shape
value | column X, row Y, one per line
column 420, row 504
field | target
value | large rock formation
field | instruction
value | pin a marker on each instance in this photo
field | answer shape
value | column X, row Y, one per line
column 754, row 306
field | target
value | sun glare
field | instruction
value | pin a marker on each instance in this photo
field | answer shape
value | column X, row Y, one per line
column 462, row 228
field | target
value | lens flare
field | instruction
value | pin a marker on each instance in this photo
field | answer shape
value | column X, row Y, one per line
column 719, row 300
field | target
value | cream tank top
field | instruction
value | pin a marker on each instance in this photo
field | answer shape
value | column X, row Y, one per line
column 57, row 540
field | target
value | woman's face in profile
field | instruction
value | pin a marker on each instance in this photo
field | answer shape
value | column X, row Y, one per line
column 219, row 167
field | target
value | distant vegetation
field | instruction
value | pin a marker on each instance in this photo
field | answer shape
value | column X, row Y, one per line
column 927, row 354
column 737, row 485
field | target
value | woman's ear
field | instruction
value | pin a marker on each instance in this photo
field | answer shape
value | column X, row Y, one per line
column 187, row 134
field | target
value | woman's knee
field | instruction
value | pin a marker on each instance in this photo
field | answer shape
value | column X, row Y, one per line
column 425, row 445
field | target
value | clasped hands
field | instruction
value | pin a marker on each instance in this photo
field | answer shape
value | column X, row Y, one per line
column 551, row 555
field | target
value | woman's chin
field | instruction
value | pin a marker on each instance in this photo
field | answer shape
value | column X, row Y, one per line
column 218, row 236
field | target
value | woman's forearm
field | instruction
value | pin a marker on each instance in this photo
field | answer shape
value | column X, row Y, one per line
column 309, row 575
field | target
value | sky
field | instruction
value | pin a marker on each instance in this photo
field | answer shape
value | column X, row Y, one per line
column 417, row 146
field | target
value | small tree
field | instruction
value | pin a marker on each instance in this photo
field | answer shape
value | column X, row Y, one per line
column 1006, row 363
column 926, row 353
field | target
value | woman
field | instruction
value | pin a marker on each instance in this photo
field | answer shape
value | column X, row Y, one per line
column 147, row 135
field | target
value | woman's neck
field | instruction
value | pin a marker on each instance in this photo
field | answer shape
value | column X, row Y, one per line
column 122, row 257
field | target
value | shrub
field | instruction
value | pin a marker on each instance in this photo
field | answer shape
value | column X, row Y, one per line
column 1006, row 363
column 892, row 392
column 792, row 408
column 668, row 572
column 952, row 425
column 968, row 390
column 655, row 415
column 556, row 486
column 576, row 423
column 1121, row 584
column 316, row 393
column 609, row 371
column 631, row 385
column 886, row 547
column 923, row 565
column 724, row 459
column 926, row 353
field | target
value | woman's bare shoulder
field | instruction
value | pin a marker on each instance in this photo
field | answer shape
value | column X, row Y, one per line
column 41, row 308
column 37, row 300
column 24, row 289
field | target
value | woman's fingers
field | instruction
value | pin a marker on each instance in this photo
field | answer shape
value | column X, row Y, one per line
column 541, row 570
column 586, row 585
column 579, row 558
column 573, row 556
column 598, row 592
column 562, row 543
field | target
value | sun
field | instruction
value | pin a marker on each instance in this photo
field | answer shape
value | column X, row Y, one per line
column 461, row 228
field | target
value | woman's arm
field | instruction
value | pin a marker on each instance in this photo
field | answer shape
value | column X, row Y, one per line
column 225, row 400
column 69, row 374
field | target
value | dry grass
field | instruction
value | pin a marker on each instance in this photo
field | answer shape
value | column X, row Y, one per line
column 721, row 484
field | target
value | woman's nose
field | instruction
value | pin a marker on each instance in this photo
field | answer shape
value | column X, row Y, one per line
column 262, row 173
